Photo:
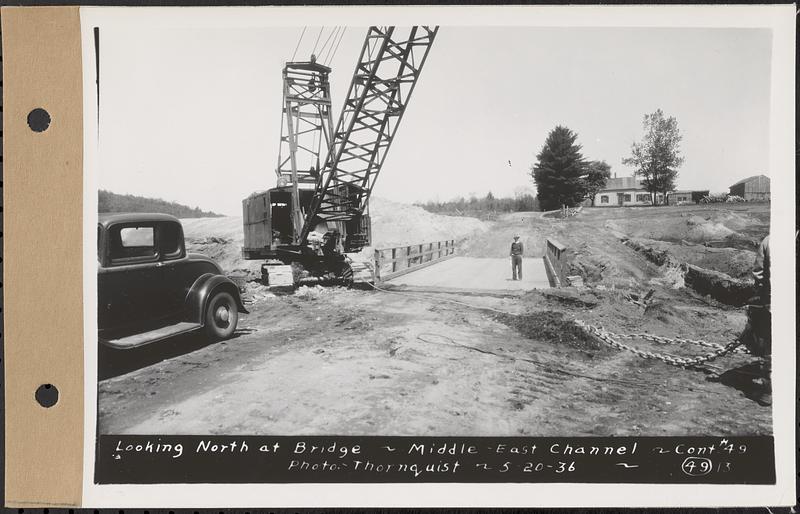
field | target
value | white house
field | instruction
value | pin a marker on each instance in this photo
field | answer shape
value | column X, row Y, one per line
column 623, row 191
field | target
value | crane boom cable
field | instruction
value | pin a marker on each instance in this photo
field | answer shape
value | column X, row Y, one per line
column 335, row 34
column 313, row 50
column 341, row 35
column 327, row 40
column 298, row 43
column 334, row 44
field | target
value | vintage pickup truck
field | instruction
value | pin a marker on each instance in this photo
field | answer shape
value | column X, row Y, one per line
column 149, row 288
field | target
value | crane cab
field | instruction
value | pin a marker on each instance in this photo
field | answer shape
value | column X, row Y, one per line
column 268, row 223
column 270, row 231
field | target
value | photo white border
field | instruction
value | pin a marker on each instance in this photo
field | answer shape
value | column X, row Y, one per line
column 779, row 18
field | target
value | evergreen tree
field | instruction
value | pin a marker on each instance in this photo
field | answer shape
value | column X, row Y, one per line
column 559, row 170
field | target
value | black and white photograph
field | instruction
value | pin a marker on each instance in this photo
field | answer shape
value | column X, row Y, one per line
column 515, row 252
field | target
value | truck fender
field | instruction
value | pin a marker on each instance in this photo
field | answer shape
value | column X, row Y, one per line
column 206, row 286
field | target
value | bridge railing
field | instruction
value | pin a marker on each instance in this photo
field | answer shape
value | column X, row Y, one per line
column 399, row 260
column 556, row 262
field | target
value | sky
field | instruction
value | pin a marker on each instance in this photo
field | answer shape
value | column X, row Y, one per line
column 193, row 115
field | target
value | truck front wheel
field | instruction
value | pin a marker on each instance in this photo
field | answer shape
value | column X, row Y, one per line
column 221, row 316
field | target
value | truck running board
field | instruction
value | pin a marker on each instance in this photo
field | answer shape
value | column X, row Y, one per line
column 152, row 336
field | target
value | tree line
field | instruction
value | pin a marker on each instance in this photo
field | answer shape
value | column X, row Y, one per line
column 564, row 178
column 481, row 207
column 113, row 202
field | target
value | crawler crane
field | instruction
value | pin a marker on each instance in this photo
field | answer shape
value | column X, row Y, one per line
column 305, row 227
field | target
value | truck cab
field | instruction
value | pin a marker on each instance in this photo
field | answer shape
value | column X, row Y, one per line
column 149, row 288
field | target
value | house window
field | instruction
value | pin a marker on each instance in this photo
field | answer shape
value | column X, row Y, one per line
column 627, row 197
column 604, row 199
column 642, row 198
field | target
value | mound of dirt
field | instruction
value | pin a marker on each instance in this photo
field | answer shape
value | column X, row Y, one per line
column 393, row 224
column 736, row 221
column 735, row 262
column 553, row 327
column 701, row 229
column 220, row 239
column 397, row 224
column 701, row 225
column 608, row 262
column 720, row 286
column 613, row 247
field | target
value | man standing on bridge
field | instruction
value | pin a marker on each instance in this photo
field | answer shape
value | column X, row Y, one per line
column 516, row 258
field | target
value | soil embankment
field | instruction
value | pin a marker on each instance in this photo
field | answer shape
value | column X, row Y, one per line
column 630, row 247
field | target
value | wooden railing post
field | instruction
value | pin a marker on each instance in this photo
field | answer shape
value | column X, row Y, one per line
column 555, row 255
column 418, row 255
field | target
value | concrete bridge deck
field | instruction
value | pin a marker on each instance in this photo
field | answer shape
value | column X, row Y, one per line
column 477, row 274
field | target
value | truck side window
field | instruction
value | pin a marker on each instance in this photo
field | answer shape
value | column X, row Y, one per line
column 132, row 244
column 169, row 241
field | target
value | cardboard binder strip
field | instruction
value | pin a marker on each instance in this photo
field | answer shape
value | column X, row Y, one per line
column 43, row 283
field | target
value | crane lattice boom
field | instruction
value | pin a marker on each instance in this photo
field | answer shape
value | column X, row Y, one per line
column 389, row 65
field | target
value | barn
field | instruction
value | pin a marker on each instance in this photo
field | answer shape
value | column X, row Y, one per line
column 752, row 189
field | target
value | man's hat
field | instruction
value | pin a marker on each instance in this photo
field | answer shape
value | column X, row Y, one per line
column 516, row 236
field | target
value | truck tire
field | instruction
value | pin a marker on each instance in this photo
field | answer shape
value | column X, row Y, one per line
column 221, row 316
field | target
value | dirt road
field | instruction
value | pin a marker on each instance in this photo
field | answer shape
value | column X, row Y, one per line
column 339, row 361
column 356, row 362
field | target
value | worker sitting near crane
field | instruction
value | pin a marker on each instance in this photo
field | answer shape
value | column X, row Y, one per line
column 330, row 242
column 316, row 238
column 323, row 241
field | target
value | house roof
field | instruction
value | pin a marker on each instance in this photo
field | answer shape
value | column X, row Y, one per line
column 748, row 179
column 623, row 183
